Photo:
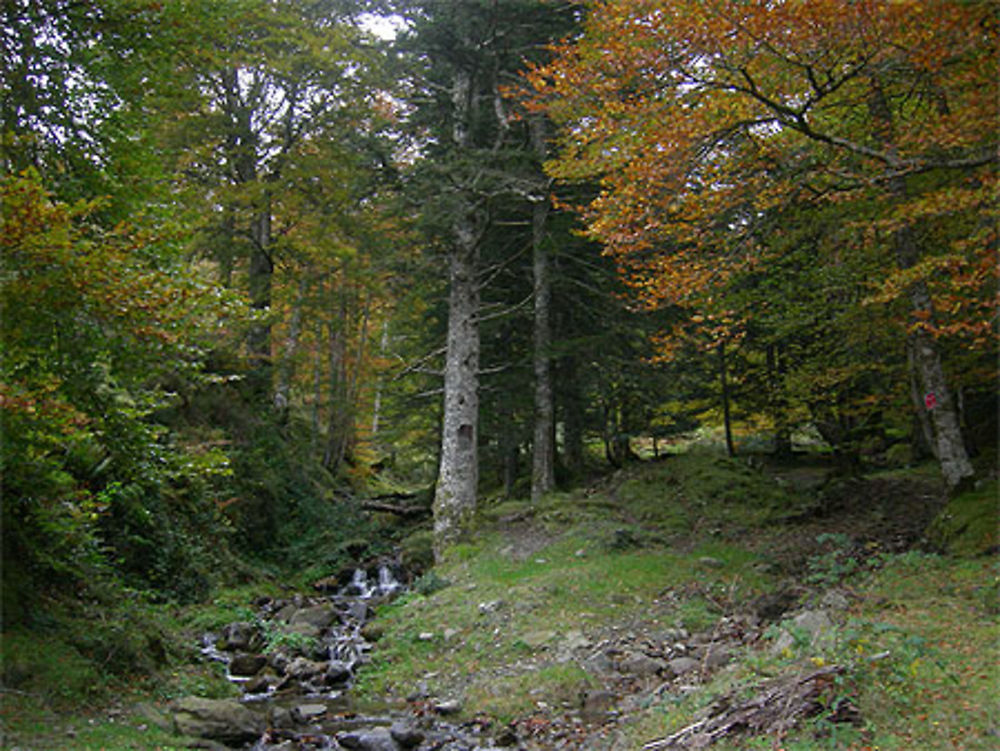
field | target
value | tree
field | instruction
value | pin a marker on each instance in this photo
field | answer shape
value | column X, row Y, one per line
column 468, row 52
column 699, row 116
column 282, row 97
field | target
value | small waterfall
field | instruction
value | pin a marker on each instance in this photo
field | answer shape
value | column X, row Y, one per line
column 359, row 586
column 387, row 582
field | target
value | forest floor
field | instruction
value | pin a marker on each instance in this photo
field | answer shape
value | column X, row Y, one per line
column 689, row 602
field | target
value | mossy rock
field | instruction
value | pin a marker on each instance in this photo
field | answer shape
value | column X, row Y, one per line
column 969, row 525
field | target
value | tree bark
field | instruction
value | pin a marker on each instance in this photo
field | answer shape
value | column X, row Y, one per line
column 458, row 474
column 543, row 473
column 724, row 389
column 947, row 444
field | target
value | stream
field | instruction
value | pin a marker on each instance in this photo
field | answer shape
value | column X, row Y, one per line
column 295, row 663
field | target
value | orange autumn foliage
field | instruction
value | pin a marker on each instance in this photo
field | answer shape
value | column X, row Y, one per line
column 699, row 116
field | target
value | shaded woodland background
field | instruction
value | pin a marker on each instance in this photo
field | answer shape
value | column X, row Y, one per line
column 237, row 234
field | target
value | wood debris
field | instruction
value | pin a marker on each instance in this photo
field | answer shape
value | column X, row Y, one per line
column 777, row 707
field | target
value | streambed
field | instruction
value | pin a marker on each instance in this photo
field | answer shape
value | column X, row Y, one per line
column 295, row 662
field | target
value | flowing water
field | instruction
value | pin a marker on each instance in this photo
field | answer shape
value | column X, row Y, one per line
column 296, row 662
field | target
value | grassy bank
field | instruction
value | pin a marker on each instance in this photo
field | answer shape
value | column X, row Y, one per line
column 687, row 550
column 505, row 624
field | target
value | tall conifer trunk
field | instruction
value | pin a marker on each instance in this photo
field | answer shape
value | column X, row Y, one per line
column 458, row 473
column 543, row 475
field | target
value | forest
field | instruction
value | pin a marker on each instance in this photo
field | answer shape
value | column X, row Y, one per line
column 293, row 287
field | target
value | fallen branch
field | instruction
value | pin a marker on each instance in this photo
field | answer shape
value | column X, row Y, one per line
column 392, row 508
column 776, row 708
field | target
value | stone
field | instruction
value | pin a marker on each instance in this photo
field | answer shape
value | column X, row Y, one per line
column 575, row 639
column 154, row 716
column 450, row 633
column 717, row 655
column 258, row 685
column 302, row 668
column 372, row 631
column 247, row 664
column 814, row 624
column 406, row 734
column 306, row 713
column 279, row 660
column 597, row 704
column 237, row 637
column 337, row 673
column 303, row 628
column 280, row 718
column 599, row 664
column 376, row 739
column 834, row 599
column 320, row 616
column 286, row 612
column 642, row 665
column 682, row 665
column 447, row 707
column 223, row 720
column 709, row 562
column 538, row 638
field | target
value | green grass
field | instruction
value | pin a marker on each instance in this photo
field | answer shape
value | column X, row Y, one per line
column 654, row 547
column 921, row 649
column 511, row 603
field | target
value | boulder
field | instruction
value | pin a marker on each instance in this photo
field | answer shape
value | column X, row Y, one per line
column 337, row 673
column 238, row 637
column 319, row 616
column 447, row 707
column 682, row 666
column 223, row 720
column 376, row 739
column 967, row 526
column 154, row 716
column 717, row 655
column 814, row 624
column 247, row 664
column 258, row 685
column 302, row 668
column 597, row 704
column 406, row 734
column 306, row 713
column 642, row 665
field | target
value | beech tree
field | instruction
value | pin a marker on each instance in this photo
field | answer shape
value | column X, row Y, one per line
column 699, row 116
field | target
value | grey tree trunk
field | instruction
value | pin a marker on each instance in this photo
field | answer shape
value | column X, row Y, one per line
column 947, row 443
column 543, row 473
column 458, row 474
